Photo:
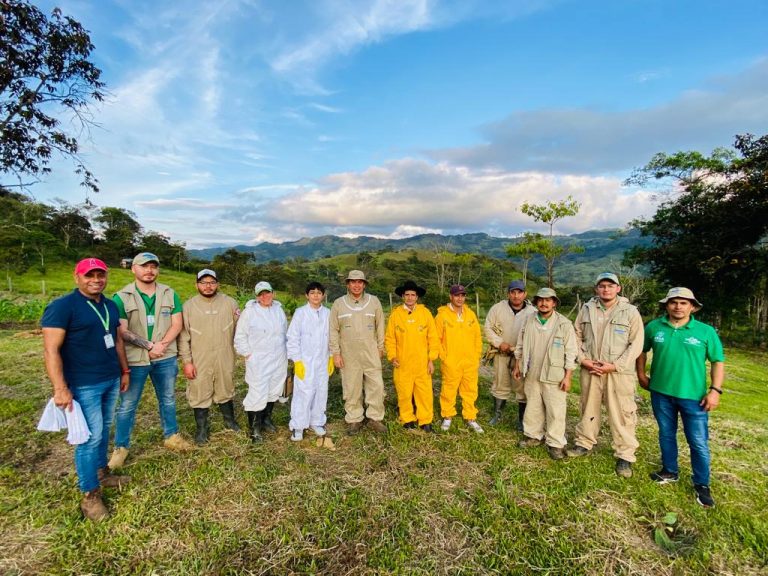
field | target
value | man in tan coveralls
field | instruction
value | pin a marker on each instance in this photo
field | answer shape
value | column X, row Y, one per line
column 610, row 334
column 502, row 327
column 207, row 352
column 357, row 345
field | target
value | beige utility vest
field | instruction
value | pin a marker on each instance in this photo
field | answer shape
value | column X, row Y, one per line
column 137, row 321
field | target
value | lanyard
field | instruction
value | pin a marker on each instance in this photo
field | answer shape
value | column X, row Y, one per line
column 104, row 322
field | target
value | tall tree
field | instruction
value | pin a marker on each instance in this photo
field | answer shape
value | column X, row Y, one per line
column 532, row 243
column 709, row 234
column 120, row 233
column 550, row 213
column 45, row 74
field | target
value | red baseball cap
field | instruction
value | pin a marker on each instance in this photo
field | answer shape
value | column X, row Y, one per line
column 87, row 264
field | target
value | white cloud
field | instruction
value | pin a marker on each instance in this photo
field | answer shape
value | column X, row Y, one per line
column 182, row 203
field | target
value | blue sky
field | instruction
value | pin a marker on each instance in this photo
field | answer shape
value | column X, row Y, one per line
column 241, row 121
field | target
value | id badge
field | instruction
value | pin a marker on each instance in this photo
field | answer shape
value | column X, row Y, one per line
column 109, row 342
column 150, row 319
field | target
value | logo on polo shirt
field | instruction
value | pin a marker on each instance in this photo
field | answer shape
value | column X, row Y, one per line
column 659, row 337
column 693, row 341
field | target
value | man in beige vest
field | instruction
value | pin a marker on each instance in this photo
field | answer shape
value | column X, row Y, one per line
column 610, row 334
column 357, row 344
column 150, row 321
column 502, row 327
column 208, row 353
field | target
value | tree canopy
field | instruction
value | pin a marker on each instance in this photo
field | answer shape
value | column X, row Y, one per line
column 45, row 75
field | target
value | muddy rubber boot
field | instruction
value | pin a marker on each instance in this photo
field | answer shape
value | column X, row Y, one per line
column 201, row 422
column 266, row 420
column 520, row 415
column 497, row 411
column 228, row 413
column 254, row 426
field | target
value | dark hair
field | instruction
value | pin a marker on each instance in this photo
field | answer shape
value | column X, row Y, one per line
column 314, row 286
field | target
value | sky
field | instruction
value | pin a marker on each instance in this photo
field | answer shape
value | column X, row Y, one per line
column 241, row 121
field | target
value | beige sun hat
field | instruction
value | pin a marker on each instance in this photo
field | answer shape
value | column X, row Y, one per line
column 546, row 293
column 356, row 275
column 681, row 292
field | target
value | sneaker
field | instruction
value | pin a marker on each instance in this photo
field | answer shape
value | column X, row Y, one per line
column 472, row 424
column 703, row 496
column 297, row 435
column 664, row 477
column 283, row 399
column 410, row 425
column 426, row 428
column 93, row 507
column 577, row 451
column 177, row 443
column 446, row 425
column 529, row 442
column 377, row 426
column 354, row 428
column 109, row 480
column 318, row 430
column 555, row 453
column 118, row 458
column 623, row 468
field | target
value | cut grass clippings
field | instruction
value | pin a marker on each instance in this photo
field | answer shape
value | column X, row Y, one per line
column 401, row 503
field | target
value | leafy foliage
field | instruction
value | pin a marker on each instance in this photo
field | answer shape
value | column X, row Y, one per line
column 45, row 71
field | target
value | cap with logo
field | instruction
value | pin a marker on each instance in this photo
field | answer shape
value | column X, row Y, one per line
column 144, row 258
column 263, row 286
column 206, row 272
column 457, row 289
column 87, row 264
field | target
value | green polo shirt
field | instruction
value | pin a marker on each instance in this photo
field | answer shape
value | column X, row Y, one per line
column 149, row 307
column 678, row 367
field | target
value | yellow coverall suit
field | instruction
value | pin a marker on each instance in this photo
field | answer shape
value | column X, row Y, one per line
column 357, row 333
column 461, row 345
column 207, row 340
column 614, row 336
column 411, row 338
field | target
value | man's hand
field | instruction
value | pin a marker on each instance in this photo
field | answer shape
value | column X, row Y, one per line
column 395, row 363
column 430, row 367
column 516, row 373
column 599, row 368
column 645, row 382
column 190, row 371
column 504, row 348
column 62, row 397
column 338, row 361
column 158, row 350
column 710, row 401
column 565, row 385
column 125, row 381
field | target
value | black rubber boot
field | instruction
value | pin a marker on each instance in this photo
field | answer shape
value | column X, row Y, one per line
column 520, row 414
column 201, row 421
column 497, row 411
column 254, row 426
column 267, row 423
column 228, row 413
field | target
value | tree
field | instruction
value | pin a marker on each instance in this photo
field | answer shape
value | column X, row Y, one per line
column 236, row 268
column 532, row 243
column 550, row 213
column 709, row 235
column 45, row 73
column 120, row 233
column 71, row 225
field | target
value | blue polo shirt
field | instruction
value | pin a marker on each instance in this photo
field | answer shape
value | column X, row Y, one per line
column 84, row 354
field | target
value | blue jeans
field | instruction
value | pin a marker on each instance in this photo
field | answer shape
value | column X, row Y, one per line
column 696, row 428
column 98, row 404
column 163, row 375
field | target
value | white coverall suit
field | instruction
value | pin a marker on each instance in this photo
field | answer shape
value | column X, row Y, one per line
column 261, row 332
column 308, row 343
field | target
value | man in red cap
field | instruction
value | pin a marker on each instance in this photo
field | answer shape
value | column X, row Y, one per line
column 85, row 360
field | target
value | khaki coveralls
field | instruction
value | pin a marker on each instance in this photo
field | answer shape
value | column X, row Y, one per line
column 503, row 325
column 357, row 333
column 615, row 336
column 206, row 340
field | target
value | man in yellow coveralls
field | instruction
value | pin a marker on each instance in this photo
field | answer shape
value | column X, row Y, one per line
column 412, row 347
column 208, row 353
column 357, row 345
column 461, row 345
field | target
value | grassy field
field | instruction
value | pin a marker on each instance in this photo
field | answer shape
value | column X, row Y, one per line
column 404, row 503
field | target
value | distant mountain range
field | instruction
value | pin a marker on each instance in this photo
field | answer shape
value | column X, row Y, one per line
column 603, row 249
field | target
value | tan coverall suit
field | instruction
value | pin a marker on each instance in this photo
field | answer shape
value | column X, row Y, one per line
column 206, row 340
column 615, row 336
column 503, row 325
column 357, row 333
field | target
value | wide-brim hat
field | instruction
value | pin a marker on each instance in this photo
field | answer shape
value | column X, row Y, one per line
column 356, row 275
column 680, row 292
column 410, row 285
column 546, row 293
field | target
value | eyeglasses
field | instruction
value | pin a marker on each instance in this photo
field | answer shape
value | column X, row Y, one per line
column 208, row 283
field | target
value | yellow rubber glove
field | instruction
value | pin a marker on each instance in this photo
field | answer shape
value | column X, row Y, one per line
column 299, row 369
column 331, row 366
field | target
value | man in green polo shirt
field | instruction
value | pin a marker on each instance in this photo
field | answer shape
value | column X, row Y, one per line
column 150, row 321
column 681, row 347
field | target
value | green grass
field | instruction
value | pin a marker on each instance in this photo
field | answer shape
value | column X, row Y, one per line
column 405, row 503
